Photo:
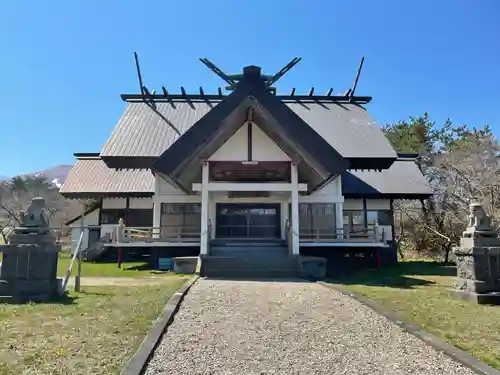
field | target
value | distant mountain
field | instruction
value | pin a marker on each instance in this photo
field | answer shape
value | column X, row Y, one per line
column 56, row 174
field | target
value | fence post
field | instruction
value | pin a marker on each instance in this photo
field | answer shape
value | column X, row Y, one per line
column 376, row 232
column 121, row 231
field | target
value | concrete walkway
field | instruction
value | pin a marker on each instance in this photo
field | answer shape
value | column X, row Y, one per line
column 251, row 327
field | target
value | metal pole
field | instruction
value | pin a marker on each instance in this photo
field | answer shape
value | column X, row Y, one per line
column 79, row 256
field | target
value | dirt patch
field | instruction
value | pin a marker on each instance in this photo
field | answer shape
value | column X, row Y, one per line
column 118, row 281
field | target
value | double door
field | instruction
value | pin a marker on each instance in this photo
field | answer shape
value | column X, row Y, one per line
column 248, row 220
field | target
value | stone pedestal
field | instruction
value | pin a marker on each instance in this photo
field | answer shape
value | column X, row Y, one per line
column 29, row 266
column 478, row 272
column 478, row 261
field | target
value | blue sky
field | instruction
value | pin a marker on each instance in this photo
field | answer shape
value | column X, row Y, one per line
column 64, row 63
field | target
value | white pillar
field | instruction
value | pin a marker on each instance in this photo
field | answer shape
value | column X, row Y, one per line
column 295, row 210
column 204, row 210
column 156, row 219
column 339, row 219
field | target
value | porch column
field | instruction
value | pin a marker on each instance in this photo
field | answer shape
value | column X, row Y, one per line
column 156, row 219
column 204, row 210
column 295, row 210
column 339, row 219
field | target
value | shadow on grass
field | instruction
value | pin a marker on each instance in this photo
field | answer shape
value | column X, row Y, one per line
column 418, row 267
column 96, row 293
column 399, row 276
column 146, row 267
column 63, row 300
column 140, row 267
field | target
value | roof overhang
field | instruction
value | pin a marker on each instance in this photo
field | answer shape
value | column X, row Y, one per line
column 129, row 162
column 380, row 195
column 403, row 180
column 371, row 163
column 102, row 195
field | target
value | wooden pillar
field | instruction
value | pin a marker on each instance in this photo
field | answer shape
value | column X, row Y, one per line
column 339, row 219
column 295, row 210
column 204, row 210
column 365, row 214
column 156, row 220
column 156, row 232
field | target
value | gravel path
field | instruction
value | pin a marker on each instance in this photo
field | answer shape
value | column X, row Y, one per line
column 252, row 327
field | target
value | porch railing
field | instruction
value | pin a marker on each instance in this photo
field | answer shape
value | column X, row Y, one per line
column 166, row 233
column 374, row 234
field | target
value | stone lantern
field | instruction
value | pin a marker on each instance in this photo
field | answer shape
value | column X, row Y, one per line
column 478, row 260
column 29, row 266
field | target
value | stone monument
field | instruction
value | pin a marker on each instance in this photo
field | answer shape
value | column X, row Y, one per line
column 478, row 260
column 29, row 267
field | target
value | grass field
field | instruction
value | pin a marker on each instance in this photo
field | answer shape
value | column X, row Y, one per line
column 128, row 269
column 420, row 292
column 93, row 332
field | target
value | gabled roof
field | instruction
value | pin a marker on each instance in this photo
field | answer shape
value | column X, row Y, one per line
column 91, row 178
column 350, row 129
column 140, row 136
column 287, row 129
column 140, row 132
column 402, row 180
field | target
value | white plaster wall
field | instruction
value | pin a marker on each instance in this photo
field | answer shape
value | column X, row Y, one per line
column 90, row 219
column 331, row 193
column 236, row 147
column 114, row 203
column 140, row 203
column 353, row 204
column 162, row 187
column 371, row 204
column 164, row 192
column 378, row 204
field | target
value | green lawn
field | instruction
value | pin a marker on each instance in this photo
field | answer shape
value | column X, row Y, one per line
column 420, row 293
column 129, row 269
column 93, row 332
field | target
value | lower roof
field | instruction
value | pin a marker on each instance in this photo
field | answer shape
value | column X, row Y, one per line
column 402, row 180
column 91, row 178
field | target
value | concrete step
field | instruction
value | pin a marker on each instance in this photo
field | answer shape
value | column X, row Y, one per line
column 254, row 273
column 248, row 247
column 238, row 252
column 249, row 259
column 247, row 242
column 249, row 266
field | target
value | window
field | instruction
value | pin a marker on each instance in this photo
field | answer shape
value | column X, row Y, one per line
column 385, row 217
column 112, row 216
column 317, row 219
column 132, row 218
column 140, row 218
column 180, row 219
column 371, row 218
column 353, row 221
